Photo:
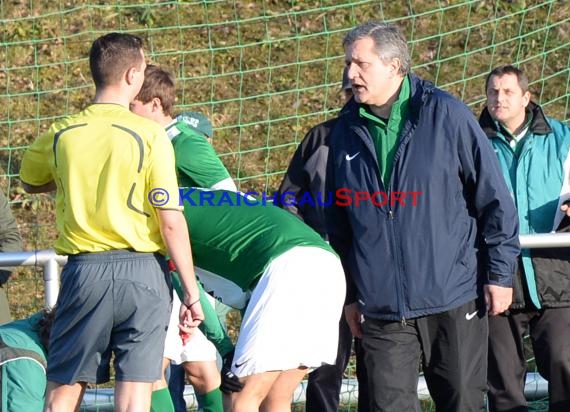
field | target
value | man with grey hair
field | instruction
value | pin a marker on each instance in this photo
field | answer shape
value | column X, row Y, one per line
column 424, row 224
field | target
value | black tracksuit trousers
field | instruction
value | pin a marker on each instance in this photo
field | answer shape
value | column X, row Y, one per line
column 450, row 347
column 550, row 338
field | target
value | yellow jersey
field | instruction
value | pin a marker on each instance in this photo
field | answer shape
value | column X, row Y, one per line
column 112, row 169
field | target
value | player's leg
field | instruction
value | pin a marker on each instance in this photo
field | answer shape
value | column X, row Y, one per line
column 277, row 335
column 203, row 375
column 132, row 396
column 64, row 398
column 279, row 398
column 198, row 358
column 161, row 400
column 76, row 357
column 205, row 378
column 142, row 311
column 256, row 387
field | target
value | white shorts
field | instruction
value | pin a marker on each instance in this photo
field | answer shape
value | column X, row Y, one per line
column 198, row 348
column 292, row 317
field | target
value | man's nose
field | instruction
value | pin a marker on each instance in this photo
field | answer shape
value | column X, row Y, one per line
column 501, row 96
column 352, row 71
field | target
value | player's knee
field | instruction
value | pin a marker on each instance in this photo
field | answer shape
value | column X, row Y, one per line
column 203, row 376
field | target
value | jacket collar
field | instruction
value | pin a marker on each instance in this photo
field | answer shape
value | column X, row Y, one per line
column 539, row 125
column 419, row 89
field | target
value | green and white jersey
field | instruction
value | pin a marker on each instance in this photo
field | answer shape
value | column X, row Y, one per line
column 197, row 163
column 22, row 366
column 234, row 238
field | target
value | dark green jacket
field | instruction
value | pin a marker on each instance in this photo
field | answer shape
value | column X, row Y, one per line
column 10, row 239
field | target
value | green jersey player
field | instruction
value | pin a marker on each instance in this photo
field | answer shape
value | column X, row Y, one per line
column 197, row 164
column 287, row 278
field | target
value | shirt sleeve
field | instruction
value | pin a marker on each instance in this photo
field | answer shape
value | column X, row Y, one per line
column 490, row 197
column 36, row 164
column 198, row 162
column 226, row 184
column 10, row 238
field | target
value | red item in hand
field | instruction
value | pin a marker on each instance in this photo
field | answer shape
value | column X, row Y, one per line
column 185, row 337
column 171, row 265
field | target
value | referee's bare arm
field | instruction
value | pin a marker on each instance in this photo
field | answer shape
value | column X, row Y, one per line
column 174, row 232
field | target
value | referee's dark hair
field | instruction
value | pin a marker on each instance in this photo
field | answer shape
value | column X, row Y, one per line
column 112, row 55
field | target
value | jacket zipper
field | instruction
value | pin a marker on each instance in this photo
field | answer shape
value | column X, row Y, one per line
column 397, row 257
column 363, row 133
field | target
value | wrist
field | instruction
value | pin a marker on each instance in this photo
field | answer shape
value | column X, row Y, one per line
column 189, row 303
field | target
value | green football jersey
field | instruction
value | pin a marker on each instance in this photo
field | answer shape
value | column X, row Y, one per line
column 197, row 163
column 235, row 237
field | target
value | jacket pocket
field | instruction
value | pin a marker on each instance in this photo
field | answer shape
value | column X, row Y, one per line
column 552, row 274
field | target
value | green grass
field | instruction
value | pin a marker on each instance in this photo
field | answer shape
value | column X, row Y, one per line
column 265, row 71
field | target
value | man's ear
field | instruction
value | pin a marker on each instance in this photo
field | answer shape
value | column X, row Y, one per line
column 526, row 98
column 157, row 105
column 130, row 74
column 395, row 65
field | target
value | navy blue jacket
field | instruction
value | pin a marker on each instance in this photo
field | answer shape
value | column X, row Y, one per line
column 446, row 224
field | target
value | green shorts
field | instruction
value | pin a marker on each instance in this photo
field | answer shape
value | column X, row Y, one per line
column 115, row 302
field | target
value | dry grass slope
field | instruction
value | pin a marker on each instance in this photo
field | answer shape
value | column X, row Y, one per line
column 263, row 70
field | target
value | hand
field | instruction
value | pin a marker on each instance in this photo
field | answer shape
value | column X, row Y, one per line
column 353, row 318
column 565, row 207
column 230, row 382
column 497, row 298
column 190, row 317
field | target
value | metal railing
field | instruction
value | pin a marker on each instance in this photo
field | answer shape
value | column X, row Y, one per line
column 48, row 259
column 51, row 262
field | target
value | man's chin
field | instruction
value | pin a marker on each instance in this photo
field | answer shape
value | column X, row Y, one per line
column 359, row 99
column 496, row 115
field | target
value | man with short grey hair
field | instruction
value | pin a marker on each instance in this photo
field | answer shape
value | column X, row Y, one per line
column 429, row 239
